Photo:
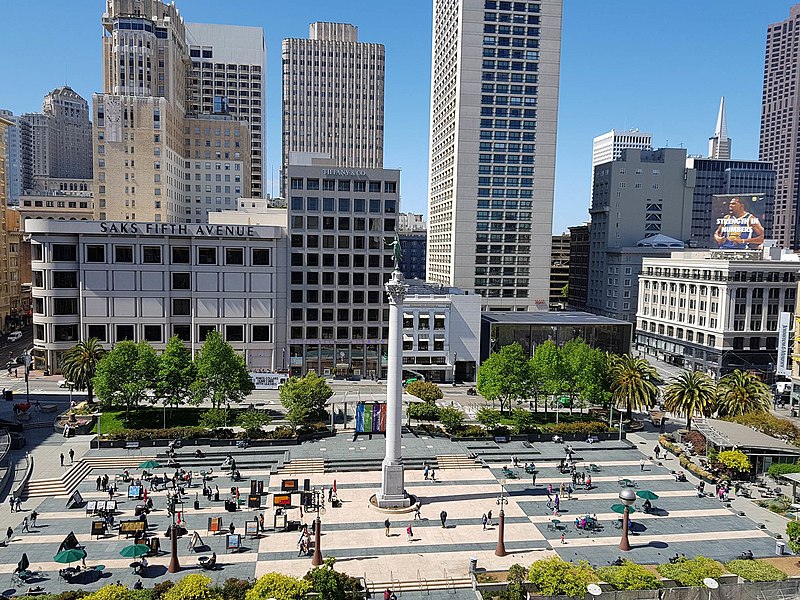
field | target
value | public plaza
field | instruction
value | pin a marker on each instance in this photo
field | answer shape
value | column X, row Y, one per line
column 467, row 485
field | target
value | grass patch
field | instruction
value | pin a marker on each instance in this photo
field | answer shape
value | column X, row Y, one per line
column 152, row 418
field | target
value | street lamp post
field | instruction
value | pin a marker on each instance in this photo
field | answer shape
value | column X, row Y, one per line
column 627, row 497
column 317, row 558
column 500, row 550
column 174, row 564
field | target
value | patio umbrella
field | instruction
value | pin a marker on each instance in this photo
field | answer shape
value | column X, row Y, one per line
column 24, row 563
column 620, row 508
column 135, row 550
column 150, row 464
column 647, row 495
column 70, row 556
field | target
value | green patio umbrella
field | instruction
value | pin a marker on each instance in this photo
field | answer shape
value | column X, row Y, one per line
column 620, row 508
column 150, row 464
column 23, row 564
column 647, row 495
column 70, row 556
column 135, row 550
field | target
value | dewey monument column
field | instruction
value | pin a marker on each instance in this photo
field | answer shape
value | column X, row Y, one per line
column 393, row 493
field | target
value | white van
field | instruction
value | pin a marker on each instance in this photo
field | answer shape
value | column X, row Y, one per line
column 14, row 336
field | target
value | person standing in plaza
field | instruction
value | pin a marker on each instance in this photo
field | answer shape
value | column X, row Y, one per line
column 11, row 502
column 443, row 518
column 62, row 459
column 99, row 483
column 489, row 518
column 25, row 525
column 433, row 475
column 386, row 525
column 641, row 465
column 34, row 516
column 425, row 470
column 18, row 504
column 261, row 521
column 71, row 455
column 563, row 541
column 416, row 511
column 657, row 451
column 483, row 521
column 409, row 533
column 9, row 534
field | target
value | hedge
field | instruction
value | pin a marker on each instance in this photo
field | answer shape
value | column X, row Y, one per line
column 578, row 428
column 695, row 470
column 755, row 570
column 778, row 469
column 691, row 571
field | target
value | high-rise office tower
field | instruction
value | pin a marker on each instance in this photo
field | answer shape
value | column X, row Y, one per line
column 494, row 109
column 139, row 117
column 780, row 124
column 69, row 135
column 19, row 170
column 229, row 79
column 333, row 97
column 609, row 146
column 719, row 145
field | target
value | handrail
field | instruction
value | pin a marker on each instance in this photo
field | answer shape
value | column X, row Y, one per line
column 420, row 579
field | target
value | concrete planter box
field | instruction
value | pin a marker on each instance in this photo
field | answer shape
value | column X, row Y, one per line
column 214, row 442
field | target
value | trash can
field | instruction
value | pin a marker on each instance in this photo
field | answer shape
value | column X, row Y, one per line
column 197, row 504
column 473, row 564
column 779, row 547
column 9, row 395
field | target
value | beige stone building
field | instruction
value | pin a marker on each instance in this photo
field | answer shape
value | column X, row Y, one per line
column 11, row 303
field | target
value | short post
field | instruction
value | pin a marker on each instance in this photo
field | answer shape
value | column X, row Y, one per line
column 500, row 550
column 627, row 497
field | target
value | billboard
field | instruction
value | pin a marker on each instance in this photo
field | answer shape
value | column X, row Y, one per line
column 371, row 417
column 738, row 221
column 268, row 381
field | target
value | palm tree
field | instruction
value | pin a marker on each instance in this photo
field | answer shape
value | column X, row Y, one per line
column 79, row 363
column 632, row 383
column 741, row 392
column 689, row 393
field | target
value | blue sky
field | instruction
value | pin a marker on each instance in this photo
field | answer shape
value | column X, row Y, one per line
column 657, row 66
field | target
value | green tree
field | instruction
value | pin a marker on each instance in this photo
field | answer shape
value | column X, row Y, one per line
column 565, row 291
column 629, row 576
column 280, row 587
column 505, row 376
column 425, row 390
column 632, row 383
column 755, row 570
column 741, row 392
column 423, row 411
column 488, row 417
column 451, row 418
column 555, row 577
column 126, row 374
column 79, row 365
column 734, row 460
column 176, row 374
column 304, row 398
column 214, row 418
column 253, row 420
column 222, row 375
column 331, row 584
column 192, row 587
column 689, row 393
column 585, row 372
column 793, row 535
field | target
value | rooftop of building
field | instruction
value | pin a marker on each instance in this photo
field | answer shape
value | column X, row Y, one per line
column 733, row 435
column 551, row 318
column 765, row 256
column 418, row 287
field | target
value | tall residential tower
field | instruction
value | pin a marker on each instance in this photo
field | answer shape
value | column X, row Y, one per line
column 333, row 98
column 494, row 109
column 780, row 124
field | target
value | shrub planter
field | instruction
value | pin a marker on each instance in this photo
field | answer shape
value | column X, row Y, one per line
column 214, row 442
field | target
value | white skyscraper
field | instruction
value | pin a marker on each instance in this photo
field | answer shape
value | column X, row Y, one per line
column 494, row 110
column 719, row 146
column 609, row 146
column 333, row 97
column 229, row 78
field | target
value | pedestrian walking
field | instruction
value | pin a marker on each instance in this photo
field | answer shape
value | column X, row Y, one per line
column 425, row 470
column 557, row 502
column 409, row 534
column 71, row 455
column 569, row 492
column 330, row 495
column 110, row 493
column 261, row 521
column 657, row 451
column 18, row 503
column 99, row 482
column 489, row 517
column 562, row 538
column 25, row 525
column 11, row 502
column 533, row 475
column 483, row 520
column 416, row 512
column 561, row 490
column 9, row 534
column 550, row 489
column 443, row 518
column 433, row 475
column 641, row 465
column 62, row 459
column 34, row 516
column 386, row 525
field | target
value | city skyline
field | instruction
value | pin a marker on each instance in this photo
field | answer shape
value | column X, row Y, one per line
column 667, row 81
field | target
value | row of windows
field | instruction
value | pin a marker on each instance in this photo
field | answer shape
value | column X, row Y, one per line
column 341, row 260
column 343, row 185
column 515, row 6
column 343, row 242
column 500, row 193
column 359, row 205
column 153, row 333
column 506, row 293
column 96, row 253
column 341, row 278
column 504, row 170
column 424, row 345
column 338, row 333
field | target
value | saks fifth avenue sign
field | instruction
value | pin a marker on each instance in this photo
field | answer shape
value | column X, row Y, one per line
column 187, row 229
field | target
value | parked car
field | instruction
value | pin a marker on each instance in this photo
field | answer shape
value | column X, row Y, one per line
column 14, row 336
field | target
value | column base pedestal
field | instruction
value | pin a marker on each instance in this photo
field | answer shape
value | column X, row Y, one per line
column 392, row 493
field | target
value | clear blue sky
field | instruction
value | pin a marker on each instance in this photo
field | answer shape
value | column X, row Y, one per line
column 657, row 66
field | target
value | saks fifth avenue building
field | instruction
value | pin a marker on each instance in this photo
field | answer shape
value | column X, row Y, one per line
column 149, row 281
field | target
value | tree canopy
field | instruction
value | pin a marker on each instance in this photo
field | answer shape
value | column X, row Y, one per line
column 689, row 393
column 304, row 398
column 741, row 392
column 222, row 375
column 79, row 365
column 633, row 383
column 505, row 376
column 125, row 375
column 176, row 373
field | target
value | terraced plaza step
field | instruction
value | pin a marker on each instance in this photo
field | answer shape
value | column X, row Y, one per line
column 303, row 465
column 66, row 484
column 457, row 461
column 376, row 588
